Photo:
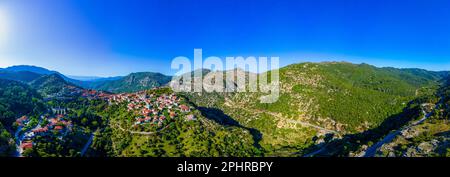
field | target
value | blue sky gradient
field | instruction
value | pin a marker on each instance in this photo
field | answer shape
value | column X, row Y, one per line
column 116, row 37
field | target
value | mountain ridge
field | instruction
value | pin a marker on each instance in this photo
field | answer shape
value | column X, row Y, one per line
column 334, row 96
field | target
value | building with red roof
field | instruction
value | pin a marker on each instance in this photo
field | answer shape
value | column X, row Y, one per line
column 40, row 130
column 172, row 114
column 59, row 127
column 184, row 108
column 26, row 145
column 53, row 121
column 21, row 120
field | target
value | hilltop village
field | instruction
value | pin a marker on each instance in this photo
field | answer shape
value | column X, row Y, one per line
column 152, row 111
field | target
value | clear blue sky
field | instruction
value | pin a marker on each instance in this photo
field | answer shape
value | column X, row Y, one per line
column 116, row 37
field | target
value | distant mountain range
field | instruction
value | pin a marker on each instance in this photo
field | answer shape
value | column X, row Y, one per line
column 130, row 83
column 34, row 69
column 30, row 72
column 84, row 78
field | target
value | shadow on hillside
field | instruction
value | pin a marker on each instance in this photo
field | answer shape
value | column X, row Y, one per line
column 221, row 118
column 352, row 142
column 446, row 133
column 442, row 146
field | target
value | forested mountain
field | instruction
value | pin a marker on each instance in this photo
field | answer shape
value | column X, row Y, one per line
column 319, row 101
column 52, row 85
column 6, row 142
column 28, row 71
column 16, row 99
column 23, row 76
column 130, row 83
column 34, row 69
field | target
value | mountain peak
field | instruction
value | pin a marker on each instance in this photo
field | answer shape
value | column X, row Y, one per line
column 30, row 68
column 51, row 78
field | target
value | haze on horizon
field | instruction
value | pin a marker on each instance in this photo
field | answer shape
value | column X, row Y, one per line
column 117, row 37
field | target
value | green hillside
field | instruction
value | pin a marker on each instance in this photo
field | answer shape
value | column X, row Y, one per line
column 52, row 85
column 23, row 76
column 176, row 137
column 322, row 99
column 131, row 83
column 27, row 73
column 429, row 139
column 6, row 142
column 16, row 99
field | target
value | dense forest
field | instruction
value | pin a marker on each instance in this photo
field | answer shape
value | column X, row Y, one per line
column 130, row 83
column 16, row 99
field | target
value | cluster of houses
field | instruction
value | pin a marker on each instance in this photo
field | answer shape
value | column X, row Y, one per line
column 152, row 108
column 94, row 94
column 58, row 124
column 69, row 91
column 55, row 125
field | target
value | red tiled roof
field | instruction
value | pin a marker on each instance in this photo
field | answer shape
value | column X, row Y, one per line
column 40, row 130
column 21, row 119
column 184, row 107
column 26, row 145
column 54, row 121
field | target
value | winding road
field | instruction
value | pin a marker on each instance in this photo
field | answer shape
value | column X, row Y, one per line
column 372, row 150
column 140, row 133
column 315, row 152
column 280, row 117
column 18, row 139
column 306, row 124
column 86, row 146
